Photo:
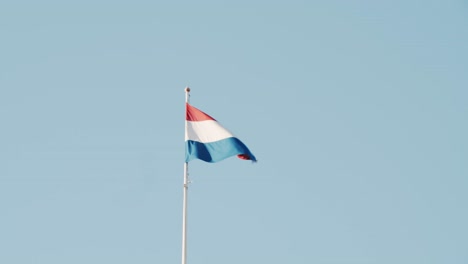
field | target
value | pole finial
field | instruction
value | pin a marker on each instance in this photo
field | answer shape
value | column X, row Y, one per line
column 187, row 94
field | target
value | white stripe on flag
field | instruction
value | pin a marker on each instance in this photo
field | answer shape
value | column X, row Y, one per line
column 206, row 131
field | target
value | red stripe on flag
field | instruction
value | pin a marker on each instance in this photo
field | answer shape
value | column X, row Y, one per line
column 195, row 114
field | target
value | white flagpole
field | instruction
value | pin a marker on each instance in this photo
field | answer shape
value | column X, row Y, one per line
column 186, row 182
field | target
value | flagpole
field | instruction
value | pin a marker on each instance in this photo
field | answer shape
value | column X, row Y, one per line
column 186, row 182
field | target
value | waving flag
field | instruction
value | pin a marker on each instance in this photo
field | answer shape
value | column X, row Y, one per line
column 207, row 140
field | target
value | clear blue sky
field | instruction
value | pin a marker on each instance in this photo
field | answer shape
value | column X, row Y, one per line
column 356, row 110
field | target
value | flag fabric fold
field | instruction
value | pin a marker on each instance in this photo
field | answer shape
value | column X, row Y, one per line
column 207, row 140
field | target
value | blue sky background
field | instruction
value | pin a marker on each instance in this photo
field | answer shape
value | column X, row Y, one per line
column 356, row 110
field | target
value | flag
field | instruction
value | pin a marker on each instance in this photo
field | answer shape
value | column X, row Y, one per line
column 207, row 140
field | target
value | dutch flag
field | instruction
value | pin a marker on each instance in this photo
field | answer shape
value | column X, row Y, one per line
column 207, row 140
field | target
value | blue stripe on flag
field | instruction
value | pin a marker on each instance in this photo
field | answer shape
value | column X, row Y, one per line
column 215, row 151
